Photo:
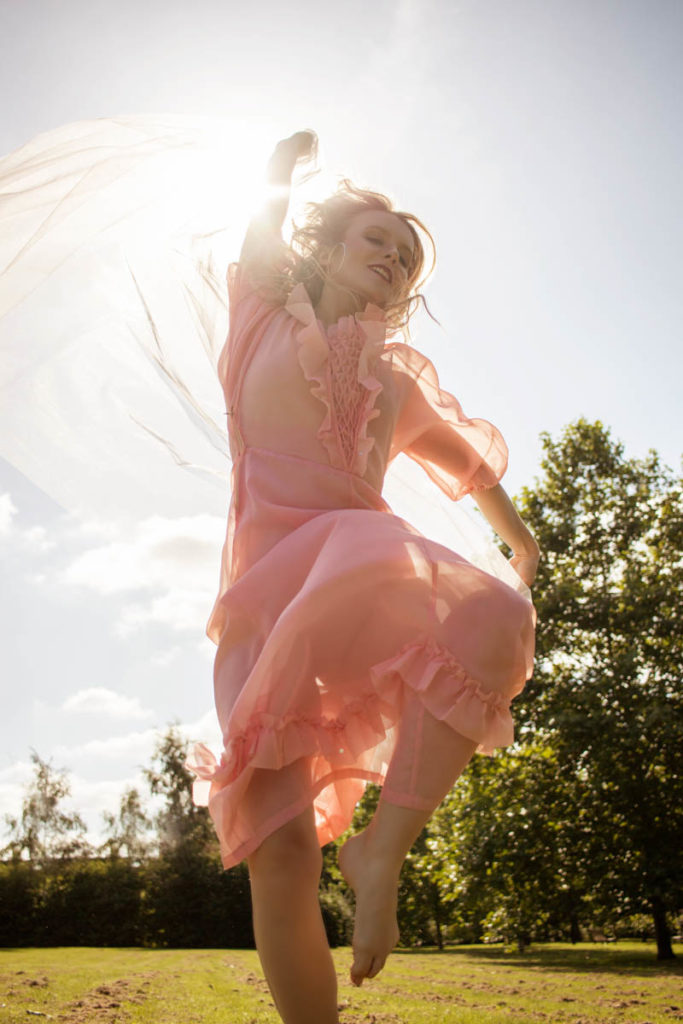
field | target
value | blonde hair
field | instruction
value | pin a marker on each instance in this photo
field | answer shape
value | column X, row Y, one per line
column 324, row 228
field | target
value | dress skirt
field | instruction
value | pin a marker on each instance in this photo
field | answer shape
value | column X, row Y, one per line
column 348, row 621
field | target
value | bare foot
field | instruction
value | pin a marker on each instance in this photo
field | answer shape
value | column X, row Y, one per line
column 375, row 930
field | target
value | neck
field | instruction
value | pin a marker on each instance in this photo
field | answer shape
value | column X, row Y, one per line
column 335, row 302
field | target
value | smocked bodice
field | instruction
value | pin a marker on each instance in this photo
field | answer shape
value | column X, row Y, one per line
column 312, row 392
column 348, row 394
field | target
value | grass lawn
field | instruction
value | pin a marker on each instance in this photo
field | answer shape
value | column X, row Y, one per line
column 584, row 984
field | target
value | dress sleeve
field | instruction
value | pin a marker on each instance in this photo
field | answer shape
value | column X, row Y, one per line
column 245, row 297
column 459, row 454
column 249, row 312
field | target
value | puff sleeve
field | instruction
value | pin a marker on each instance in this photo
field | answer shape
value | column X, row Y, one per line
column 460, row 455
column 249, row 313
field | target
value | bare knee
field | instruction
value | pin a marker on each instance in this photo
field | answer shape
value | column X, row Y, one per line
column 292, row 850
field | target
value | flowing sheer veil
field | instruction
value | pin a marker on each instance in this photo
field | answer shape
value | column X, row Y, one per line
column 115, row 235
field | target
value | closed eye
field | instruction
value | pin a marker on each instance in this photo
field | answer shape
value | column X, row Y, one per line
column 380, row 241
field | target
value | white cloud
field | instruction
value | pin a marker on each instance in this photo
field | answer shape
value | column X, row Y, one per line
column 166, row 657
column 204, row 730
column 207, row 648
column 92, row 798
column 35, row 538
column 177, row 559
column 178, row 609
column 36, row 579
column 132, row 747
column 16, row 774
column 98, row 700
column 7, row 511
column 159, row 552
column 38, row 539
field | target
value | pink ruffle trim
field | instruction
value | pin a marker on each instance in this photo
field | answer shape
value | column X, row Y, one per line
column 271, row 741
column 314, row 354
column 447, row 691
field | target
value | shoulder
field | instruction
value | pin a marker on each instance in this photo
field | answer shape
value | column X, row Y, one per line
column 249, row 280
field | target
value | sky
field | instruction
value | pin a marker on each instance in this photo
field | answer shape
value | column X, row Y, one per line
column 540, row 142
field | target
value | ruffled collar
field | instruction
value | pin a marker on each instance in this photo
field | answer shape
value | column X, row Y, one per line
column 372, row 318
column 313, row 350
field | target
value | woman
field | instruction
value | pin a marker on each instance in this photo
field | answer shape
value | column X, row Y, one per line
column 350, row 648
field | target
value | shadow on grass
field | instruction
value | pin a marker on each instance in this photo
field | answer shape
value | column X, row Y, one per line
column 587, row 957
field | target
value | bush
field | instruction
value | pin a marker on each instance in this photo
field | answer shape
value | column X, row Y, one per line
column 337, row 914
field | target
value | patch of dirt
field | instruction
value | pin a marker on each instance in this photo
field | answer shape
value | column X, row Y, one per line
column 253, row 979
column 104, row 1003
column 16, row 983
column 19, row 979
column 371, row 1018
column 426, row 996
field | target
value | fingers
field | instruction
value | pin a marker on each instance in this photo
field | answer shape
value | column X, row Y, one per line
column 306, row 142
column 299, row 146
column 361, row 967
column 287, row 153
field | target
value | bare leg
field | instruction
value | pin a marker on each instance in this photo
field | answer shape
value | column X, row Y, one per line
column 288, row 926
column 429, row 757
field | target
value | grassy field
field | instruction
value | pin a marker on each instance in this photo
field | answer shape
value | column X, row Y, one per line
column 583, row 984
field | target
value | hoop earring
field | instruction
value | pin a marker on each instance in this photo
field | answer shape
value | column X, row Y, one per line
column 329, row 262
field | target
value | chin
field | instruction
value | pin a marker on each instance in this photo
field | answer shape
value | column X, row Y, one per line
column 377, row 296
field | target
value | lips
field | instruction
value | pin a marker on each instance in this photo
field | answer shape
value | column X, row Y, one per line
column 383, row 271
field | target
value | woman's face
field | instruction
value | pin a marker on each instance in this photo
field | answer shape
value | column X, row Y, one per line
column 379, row 252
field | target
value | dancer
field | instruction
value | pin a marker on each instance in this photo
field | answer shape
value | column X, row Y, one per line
column 351, row 649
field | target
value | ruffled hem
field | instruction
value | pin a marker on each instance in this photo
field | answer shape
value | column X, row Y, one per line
column 314, row 354
column 273, row 742
column 448, row 692
column 446, row 689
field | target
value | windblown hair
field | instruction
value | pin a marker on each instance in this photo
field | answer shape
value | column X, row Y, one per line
column 324, row 227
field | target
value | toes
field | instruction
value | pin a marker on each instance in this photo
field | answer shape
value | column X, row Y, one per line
column 361, row 967
column 366, row 966
column 377, row 965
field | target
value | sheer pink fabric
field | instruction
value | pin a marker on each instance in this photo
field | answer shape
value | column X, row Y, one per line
column 334, row 617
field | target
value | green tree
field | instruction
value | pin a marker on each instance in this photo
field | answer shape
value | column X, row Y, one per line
column 190, row 899
column 46, row 832
column 180, row 823
column 127, row 831
column 606, row 694
column 582, row 820
column 504, row 849
column 421, row 913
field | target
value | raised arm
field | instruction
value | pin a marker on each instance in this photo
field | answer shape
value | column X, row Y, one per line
column 263, row 242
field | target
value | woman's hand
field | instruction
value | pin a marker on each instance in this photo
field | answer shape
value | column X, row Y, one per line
column 288, row 152
column 263, row 244
column 504, row 518
column 526, row 566
column 304, row 144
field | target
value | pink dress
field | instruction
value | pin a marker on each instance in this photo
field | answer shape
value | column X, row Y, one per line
column 335, row 617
